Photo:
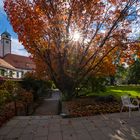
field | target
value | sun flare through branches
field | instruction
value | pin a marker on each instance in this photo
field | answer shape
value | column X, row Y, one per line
column 76, row 36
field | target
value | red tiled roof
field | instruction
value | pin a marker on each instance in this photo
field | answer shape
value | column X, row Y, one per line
column 4, row 64
column 20, row 62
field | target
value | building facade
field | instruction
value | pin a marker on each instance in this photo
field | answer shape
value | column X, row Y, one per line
column 12, row 65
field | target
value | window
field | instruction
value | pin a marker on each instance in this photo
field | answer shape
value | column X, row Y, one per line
column 7, row 41
column 10, row 73
column 2, row 72
column 22, row 74
column 17, row 74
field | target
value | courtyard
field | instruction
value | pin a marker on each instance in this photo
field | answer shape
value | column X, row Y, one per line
column 114, row 126
column 70, row 62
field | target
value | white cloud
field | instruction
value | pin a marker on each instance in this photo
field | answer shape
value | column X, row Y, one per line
column 1, row 3
column 18, row 48
column 1, row 7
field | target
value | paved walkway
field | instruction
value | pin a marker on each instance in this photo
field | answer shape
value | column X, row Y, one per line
column 49, row 106
column 101, row 127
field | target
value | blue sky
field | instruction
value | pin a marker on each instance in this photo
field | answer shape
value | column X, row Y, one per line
column 17, row 47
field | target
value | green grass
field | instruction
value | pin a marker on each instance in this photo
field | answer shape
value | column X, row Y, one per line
column 118, row 91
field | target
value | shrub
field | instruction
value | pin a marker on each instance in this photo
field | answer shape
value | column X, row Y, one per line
column 10, row 86
column 134, row 74
column 4, row 97
column 12, row 91
column 13, row 98
column 97, row 84
column 106, row 99
column 13, row 88
column 93, row 85
column 37, row 86
column 26, row 97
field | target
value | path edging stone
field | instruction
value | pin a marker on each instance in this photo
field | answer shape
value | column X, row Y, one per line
column 64, row 110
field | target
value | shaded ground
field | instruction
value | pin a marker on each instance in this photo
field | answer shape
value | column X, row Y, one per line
column 49, row 106
column 114, row 126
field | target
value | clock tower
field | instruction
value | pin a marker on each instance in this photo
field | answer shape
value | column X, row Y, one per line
column 5, row 47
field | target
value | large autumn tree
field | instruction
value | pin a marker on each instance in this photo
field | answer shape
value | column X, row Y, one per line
column 73, row 39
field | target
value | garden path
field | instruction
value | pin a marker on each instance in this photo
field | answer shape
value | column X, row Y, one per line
column 49, row 106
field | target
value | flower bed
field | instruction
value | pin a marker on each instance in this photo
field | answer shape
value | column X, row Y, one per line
column 90, row 106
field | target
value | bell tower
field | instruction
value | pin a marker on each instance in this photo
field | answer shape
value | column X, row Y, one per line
column 5, row 47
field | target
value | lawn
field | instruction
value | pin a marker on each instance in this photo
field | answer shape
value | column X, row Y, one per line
column 118, row 91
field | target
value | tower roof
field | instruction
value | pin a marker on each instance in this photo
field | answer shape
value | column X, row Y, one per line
column 6, row 33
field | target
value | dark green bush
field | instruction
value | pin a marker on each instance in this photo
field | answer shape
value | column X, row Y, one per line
column 97, row 84
column 134, row 73
column 37, row 86
column 94, row 85
column 107, row 99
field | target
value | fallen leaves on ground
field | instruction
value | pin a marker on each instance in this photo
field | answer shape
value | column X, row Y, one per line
column 89, row 106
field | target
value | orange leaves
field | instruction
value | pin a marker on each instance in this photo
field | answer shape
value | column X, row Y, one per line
column 113, row 2
column 127, row 54
column 37, row 9
column 138, row 55
column 107, row 67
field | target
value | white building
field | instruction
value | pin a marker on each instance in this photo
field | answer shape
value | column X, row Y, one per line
column 12, row 65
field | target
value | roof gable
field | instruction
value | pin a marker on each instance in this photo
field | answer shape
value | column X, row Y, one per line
column 20, row 62
column 4, row 64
